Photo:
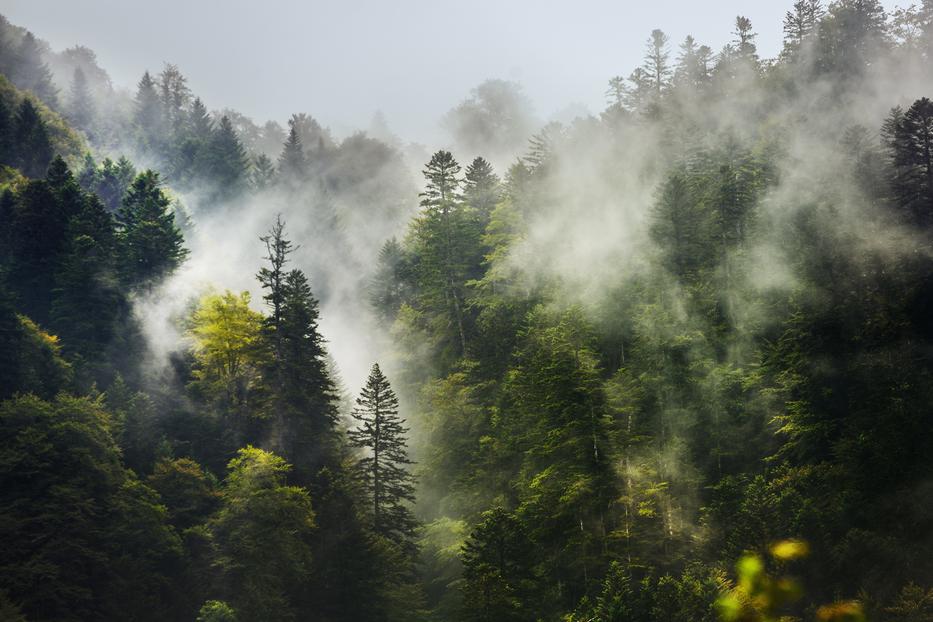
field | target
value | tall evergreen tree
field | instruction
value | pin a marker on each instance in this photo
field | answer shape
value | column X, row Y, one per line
column 80, row 105
column 448, row 240
column 148, row 112
column 293, row 165
column 263, row 172
column 910, row 142
column 381, row 434
column 227, row 166
column 481, row 187
column 31, row 141
column 32, row 73
column 657, row 65
column 801, row 23
column 152, row 245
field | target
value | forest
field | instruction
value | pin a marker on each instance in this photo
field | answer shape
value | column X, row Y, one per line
column 672, row 362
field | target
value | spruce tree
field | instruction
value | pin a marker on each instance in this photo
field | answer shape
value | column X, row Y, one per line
column 447, row 239
column 32, row 73
column 263, row 172
column 656, row 64
column 80, row 105
column 227, row 165
column 909, row 136
column 293, row 165
column 800, row 24
column 381, row 434
column 148, row 113
column 31, row 141
column 481, row 187
column 7, row 153
column 151, row 243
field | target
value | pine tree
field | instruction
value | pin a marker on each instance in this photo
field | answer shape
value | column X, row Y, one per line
column 292, row 163
column 263, row 172
column 481, row 187
column 448, row 240
column 32, row 73
column 81, row 106
column 380, row 433
column 31, row 141
column 7, row 128
column 498, row 577
column 656, row 62
column 148, row 113
column 744, row 43
column 301, row 394
column 199, row 122
column 227, row 166
column 801, row 23
column 151, row 243
column 909, row 136
column 173, row 96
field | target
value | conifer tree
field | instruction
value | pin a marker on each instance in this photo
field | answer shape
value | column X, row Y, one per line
column 380, row 433
column 152, row 245
column 448, row 240
column 227, row 164
column 32, row 73
column 801, row 23
column 199, row 121
column 657, row 65
column 293, row 164
column 7, row 153
column 31, row 141
column 263, row 172
column 909, row 136
column 481, row 187
column 81, row 106
column 148, row 113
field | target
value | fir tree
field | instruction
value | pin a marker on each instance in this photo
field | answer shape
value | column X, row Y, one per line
column 80, row 105
column 32, row 73
column 31, row 141
column 263, row 172
column 227, row 166
column 148, row 113
column 380, row 433
column 292, row 163
column 152, row 245
column 481, row 187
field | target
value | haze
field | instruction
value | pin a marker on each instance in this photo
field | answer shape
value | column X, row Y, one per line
column 413, row 59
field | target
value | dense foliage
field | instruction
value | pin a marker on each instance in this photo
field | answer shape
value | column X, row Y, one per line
column 691, row 331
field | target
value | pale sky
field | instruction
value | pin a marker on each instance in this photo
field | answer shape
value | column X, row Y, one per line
column 340, row 61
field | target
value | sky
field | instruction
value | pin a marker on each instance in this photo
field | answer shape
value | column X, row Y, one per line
column 343, row 60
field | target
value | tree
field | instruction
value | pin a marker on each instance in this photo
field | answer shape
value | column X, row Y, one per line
column 174, row 95
column 302, row 397
column 152, row 245
column 380, row 433
column 264, row 172
column 81, row 106
column 447, row 241
column 481, row 187
column 744, row 43
column 148, row 112
column 656, row 62
column 693, row 64
column 31, row 141
column 227, row 165
column 293, row 165
column 74, row 513
column 499, row 581
column 390, row 285
column 32, row 73
column 263, row 533
column 909, row 136
column 800, row 24
column 227, row 347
